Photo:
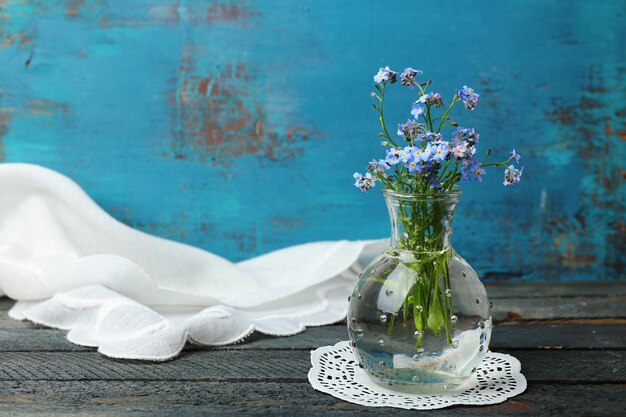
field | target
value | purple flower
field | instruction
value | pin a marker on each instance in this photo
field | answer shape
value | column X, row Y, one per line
column 515, row 156
column 468, row 134
column 417, row 109
column 364, row 182
column 408, row 76
column 460, row 150
column 469, row 168
column 469, row 97
column 410, row 130
column 434, row 183
column 393, row 76
column 512, row 175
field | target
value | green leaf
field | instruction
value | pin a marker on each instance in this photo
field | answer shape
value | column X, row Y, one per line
column 435, row 317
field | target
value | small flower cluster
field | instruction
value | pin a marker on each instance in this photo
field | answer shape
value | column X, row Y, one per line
column 385, row 74
column 468, row 96
column 511, row 174
column 428, row 161
column 364, row 182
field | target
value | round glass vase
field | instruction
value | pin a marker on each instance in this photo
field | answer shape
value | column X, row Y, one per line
column 419, row 318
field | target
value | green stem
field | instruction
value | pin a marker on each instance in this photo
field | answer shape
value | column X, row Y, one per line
column 382, row 115
column 445, row 114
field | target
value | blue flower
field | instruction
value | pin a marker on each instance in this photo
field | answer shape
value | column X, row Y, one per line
column 427, row 153
column 364, row 182
column 413, row 165
column 417, row 153
column 512, row 175
column 380, row 76
column 408, row 76
column 378, row 167
column 385, row 74
column 435, row 138
column 440, row 152
column 410, row 130
column 434, row 183
column 393, row 156
column 479, row 173
column 417, row 109
column 434, row 99
column 405, row 153
column 469, row 97
column 515, row 156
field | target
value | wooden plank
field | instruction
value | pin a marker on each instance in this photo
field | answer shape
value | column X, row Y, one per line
column 271, row 365
column 507, row 309
column 518, row 336
column 7, row 322
column 6, row 303
column 155, row 398
column 555, row 289
column 42, row 340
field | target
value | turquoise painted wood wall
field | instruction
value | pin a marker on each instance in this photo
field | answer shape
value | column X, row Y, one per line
column 236, row 125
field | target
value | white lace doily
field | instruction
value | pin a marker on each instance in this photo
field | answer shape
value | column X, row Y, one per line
column 336, row 372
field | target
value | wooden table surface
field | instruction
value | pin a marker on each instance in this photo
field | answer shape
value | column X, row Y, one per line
column 570, row 339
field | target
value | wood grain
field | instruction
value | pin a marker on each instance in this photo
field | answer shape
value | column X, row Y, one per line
column 574, row 362
column 510, row 336
column 199, row 398
column 270, row 365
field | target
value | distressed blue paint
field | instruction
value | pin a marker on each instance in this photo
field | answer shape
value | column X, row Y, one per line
column 125, row 98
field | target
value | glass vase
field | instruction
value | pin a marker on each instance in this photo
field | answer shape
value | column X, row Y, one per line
column 419, row 318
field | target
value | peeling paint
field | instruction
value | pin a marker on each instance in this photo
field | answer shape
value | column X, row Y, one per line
column 221, row 118
column 574, row 244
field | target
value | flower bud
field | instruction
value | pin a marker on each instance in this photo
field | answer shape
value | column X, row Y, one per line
column 384, row 143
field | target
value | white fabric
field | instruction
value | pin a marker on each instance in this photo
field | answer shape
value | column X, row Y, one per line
column 72, row 266
column 335, row 371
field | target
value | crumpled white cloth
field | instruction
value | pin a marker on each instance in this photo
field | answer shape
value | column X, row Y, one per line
column 71, row 266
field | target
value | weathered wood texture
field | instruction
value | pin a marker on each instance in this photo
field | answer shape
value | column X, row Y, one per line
column 589, row 335
column 199, row 398
column 268, row 365
column 169, row 113
column 575, row 366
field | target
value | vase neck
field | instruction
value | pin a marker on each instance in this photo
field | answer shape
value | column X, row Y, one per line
column 421, row 222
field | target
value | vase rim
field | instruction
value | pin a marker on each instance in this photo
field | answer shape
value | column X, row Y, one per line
column 454, row 192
